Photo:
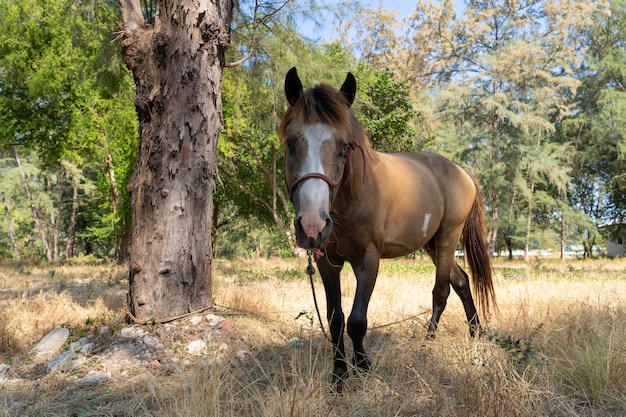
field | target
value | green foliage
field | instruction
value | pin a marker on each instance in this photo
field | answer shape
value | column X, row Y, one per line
column 17, row 202
column 521, row 350
column 505, row 82
column 408, row 268
column 597, row 130
column 66, row 96
column 385, row 110
column 528, row 95
column 244, row 239
column 39, row 75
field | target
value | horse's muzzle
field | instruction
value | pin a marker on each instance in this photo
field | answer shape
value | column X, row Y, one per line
column 313, row 230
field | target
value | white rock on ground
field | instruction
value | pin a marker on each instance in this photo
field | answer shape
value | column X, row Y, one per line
column 196, row 346
column 93, row 378
column 52, row 342
column 133, row 332
column 77, row 345
column 214, row 319
column 152, row 342
column 65, row 362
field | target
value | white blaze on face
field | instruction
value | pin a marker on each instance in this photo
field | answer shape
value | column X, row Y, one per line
column 425, row 224
column 314, row 193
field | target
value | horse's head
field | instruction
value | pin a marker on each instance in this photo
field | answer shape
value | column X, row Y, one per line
column 315, row 128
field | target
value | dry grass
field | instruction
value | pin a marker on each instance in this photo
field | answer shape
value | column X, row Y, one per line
column 34, row 299
column 557, row 346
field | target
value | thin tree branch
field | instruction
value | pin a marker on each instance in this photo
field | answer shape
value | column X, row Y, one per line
column 132, row 15
column 256, row 22
column 252, row 40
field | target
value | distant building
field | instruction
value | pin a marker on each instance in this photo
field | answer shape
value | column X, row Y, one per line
column 615, row 240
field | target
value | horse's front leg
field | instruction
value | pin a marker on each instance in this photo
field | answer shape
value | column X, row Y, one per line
column 366, row 272
column 330, row 273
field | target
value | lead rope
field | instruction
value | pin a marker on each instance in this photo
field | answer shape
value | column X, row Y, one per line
column 310, row 270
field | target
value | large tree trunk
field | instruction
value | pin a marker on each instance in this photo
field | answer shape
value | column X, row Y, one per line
column 177, row 67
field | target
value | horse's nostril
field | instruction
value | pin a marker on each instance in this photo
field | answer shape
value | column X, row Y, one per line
column 328, row 227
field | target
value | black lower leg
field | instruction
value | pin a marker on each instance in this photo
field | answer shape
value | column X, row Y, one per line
column 340, row 367
column 357, row 328
column 460, row 284
column 440, row 300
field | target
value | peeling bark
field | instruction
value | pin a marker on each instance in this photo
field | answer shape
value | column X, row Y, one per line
column 177, row 67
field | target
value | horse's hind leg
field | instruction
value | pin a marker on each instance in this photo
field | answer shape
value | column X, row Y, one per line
column 443, row 258
column 441, row 291
column 460, row 283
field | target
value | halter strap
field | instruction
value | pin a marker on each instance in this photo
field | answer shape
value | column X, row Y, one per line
column 292, row 189
column 352, row 145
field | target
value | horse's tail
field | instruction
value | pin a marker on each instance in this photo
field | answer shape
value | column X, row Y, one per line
column 477, row 255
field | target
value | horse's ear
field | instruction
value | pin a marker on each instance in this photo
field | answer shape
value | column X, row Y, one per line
column 349, row 88
column 293, row 86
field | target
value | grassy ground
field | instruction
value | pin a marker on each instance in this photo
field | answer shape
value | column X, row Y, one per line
column 557, row 346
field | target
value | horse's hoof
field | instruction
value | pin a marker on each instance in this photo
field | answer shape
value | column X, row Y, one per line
column 430, row 335
column 336, row 386
column 476, row 330
column 339, row 376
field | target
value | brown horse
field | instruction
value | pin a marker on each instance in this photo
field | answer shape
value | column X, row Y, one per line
column 358, row 205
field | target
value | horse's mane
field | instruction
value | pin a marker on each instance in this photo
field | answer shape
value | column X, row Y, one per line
column 325, row 104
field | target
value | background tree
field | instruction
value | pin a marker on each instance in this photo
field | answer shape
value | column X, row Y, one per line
column 597, row 130
column 509, row 74
column 16, row 249
column 59, row 70
column 385, row 110
column 372, row 35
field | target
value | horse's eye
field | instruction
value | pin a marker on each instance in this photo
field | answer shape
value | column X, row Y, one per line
column 291, row 144
column 343, row 150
